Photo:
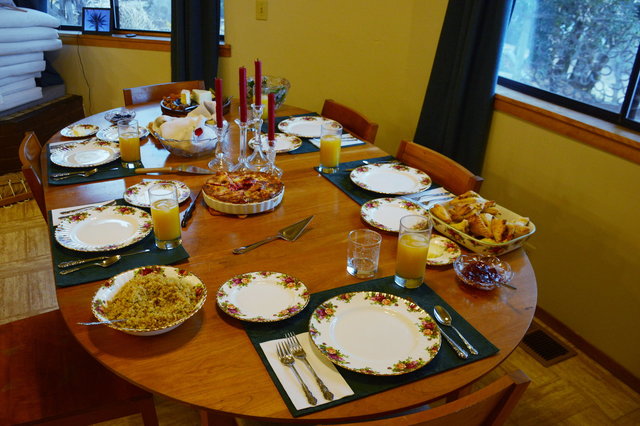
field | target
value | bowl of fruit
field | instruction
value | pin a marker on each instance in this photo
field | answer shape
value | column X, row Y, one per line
column 181, row 104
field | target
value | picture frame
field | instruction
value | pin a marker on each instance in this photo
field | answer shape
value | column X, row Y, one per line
column 96, row 20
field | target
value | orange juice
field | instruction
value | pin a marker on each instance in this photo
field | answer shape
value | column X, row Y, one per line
column 129, row 148
column 330, row 150
column 166, row 219
column 412, row 256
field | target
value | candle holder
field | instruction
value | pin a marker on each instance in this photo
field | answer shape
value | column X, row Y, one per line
column 221, row 162
column 257, row 158
column 243, row 165
column 271, row 167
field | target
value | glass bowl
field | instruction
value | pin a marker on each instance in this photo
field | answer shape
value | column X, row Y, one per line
column 278, row 85
column 115, row 115
column 482, row 272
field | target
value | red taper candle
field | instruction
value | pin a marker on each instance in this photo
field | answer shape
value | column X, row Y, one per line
column 258, row 82
column 243, row 94
column 271, row 116
column 219, row 103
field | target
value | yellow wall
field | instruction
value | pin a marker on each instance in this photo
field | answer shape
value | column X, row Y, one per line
column 376, row 56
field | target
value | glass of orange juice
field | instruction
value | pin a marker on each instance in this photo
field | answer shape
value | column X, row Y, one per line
column 165, row 213
column 129, row 144
column 330, row 141
column 413, row 248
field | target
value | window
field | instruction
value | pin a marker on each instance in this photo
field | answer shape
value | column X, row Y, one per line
column 581, row 54
column 129, row 15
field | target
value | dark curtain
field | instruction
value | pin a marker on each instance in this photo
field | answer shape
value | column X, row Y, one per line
column 458, row 106
column 195, row 28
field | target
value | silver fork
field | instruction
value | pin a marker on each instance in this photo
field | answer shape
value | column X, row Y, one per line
column 287, row 359
column 298, row 351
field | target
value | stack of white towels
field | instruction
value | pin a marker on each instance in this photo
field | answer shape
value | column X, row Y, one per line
column 25, row 34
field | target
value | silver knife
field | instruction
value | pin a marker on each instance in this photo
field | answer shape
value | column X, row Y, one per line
column 182, row 168
column 93, row 259
column 81, row 209
column 58, row 175
column 189, row 211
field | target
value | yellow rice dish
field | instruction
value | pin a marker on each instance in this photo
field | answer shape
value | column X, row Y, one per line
column 152, row 301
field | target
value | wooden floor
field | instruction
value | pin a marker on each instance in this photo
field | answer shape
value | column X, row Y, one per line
column 576, row 391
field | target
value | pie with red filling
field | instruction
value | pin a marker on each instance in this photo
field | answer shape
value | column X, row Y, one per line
column 242, row 187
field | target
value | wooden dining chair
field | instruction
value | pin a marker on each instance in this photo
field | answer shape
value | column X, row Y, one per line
column 443, row 170
column 490, row 405
column 48, row 378
column 351, row 120
column 29, row 153
column 155, row 92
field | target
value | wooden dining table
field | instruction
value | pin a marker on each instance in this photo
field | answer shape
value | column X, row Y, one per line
column 208, row 361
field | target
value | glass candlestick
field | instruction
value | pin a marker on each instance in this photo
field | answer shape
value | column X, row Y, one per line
column 243, row 165
column 257, row 159
column 221, row 162
column 271, row 167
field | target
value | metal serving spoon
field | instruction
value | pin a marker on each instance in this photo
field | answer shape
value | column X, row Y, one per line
column 443, row 317
column 103, row 263
column 101, row 322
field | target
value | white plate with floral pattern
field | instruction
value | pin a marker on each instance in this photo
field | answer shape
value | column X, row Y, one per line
column 110, row 134
column 385, row 213
column 262, row 296
column 374, row 333
column 388, row 178
column 90, row 153
column 442, row 251
column 103, row 228
column 138, row 194
column 79, row 130
column 304, row 127
column 284, row 142
column 110, row 288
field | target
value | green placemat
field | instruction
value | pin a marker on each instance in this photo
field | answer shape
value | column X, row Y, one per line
column 306, row 145
column 153, row 257
column 112, row 170
column 362, row 384
column 342, row 180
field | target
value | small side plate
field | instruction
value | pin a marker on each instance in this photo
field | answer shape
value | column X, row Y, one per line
column 79, row 130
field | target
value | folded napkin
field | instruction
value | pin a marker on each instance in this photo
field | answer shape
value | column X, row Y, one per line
column 347, row 140
column 57, row 214
column 323, row 367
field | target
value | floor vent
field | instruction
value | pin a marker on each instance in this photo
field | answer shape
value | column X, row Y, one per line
column 546, row 349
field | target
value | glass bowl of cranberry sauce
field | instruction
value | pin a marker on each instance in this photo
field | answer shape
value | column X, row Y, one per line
column 481, row 271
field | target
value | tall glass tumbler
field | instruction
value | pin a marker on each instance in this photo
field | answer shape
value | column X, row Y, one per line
column 363, row 251
column 330, row 143
column 129, row 139
column 413, row 248
column 165, row 213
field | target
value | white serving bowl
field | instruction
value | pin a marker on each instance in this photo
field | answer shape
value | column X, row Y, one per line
column 246, row 208
column 111, row 287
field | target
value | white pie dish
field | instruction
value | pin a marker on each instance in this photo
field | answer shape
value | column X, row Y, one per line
column 246, row 208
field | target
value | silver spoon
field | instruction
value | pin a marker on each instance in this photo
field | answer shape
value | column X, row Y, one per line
column 84, row 173
column 443, row 317
column 101, row 322
column 103, row 263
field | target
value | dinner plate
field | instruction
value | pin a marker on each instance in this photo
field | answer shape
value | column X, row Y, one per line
column 109, row 289
column 103, row 228
column 304, row 127
column 385, row 213
column 284, row 142
column 262, row 296
column 138, row 194
column 79, row 130
column 90, row 153
column 110, row 134
column 374, row 333
column 388, row 178
column 442, row 251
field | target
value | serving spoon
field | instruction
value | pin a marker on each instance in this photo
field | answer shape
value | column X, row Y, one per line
column 101, row 322
column 444, row 318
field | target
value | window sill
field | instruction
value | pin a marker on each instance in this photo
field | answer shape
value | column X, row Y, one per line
column 120, row 41
column 609, row 137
